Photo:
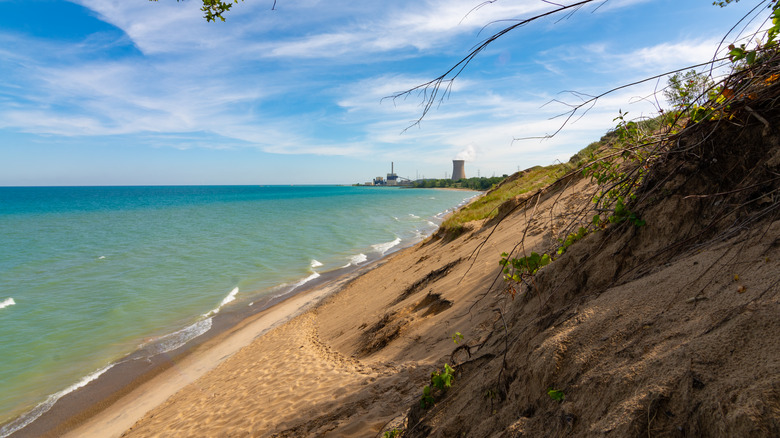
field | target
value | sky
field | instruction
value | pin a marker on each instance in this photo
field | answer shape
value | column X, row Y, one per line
column 133, row 92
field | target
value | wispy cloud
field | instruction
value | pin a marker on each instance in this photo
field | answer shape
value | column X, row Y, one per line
column 309, row 78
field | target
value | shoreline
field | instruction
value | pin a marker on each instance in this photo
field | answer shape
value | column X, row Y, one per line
column 122, row 379
column 124, row 386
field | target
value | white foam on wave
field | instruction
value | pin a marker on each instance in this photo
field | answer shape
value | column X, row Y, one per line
column 356, row 260
column 432, row 224
column 7, row 302
column 304, row 281
column 101, row 258
column 382, row 248
column 315, row 264
column 230, row 297
column 174, row 340
column 413, row 216
column 42, row 408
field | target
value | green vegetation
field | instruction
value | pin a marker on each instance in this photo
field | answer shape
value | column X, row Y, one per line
column 573, row 237
column 487, row 205
column 617, row 163
column 556, row 394
column 619, row 179
column 439, row 380
column 689, row 89
column 750, row 56
column 516, row 269
column 457, row 337
column 601, row 159
column 395, row 433
column 213, row 9
column 482, row 183
column 527, row 181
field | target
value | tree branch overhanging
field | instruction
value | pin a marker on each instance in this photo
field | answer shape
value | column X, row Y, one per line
column 434, row 91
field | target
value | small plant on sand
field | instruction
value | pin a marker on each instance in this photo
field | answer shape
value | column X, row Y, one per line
column 571, row 238
column 518, row 269
column 457, row 337
column 556, row 394
column 395, row 433
column 439, row 380
column 623, row 214
column 515, row 269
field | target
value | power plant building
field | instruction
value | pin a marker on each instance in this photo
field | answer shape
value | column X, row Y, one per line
column 458, row 171
column 392, row 179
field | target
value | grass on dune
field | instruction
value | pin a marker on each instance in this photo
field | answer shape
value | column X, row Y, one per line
column 525, row 181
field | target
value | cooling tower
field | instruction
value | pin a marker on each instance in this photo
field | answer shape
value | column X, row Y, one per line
column 457, row 170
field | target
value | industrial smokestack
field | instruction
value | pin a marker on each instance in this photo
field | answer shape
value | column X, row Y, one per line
column 457, row 170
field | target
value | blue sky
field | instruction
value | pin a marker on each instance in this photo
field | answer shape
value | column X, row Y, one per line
column 130, row 92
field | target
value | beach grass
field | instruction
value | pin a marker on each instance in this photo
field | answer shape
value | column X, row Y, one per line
column 534, row 178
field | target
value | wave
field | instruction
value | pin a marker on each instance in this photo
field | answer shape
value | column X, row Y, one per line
column 7, row 302
column 230, row 297
column 315, row 264
column 356, row 260
column 174, row 340
column 304, row 281
column 413, row 216
column 44, row 407
column 382, row 248
column 450, row 210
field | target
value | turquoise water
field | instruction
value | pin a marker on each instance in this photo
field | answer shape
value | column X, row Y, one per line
column 89, row 274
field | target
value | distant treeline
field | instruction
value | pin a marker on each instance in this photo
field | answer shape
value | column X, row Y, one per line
column 465, row 183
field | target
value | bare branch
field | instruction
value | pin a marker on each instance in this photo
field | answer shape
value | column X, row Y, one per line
column 431, row 92
column 569, row 115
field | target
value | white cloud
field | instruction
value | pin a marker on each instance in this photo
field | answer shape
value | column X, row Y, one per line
column 419, row 25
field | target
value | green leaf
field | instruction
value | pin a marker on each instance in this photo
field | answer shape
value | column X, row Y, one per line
column 751, row 57
column 556, row 394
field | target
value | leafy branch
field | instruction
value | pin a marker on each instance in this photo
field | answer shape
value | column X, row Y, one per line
column 440, row 381
column 213, row 9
